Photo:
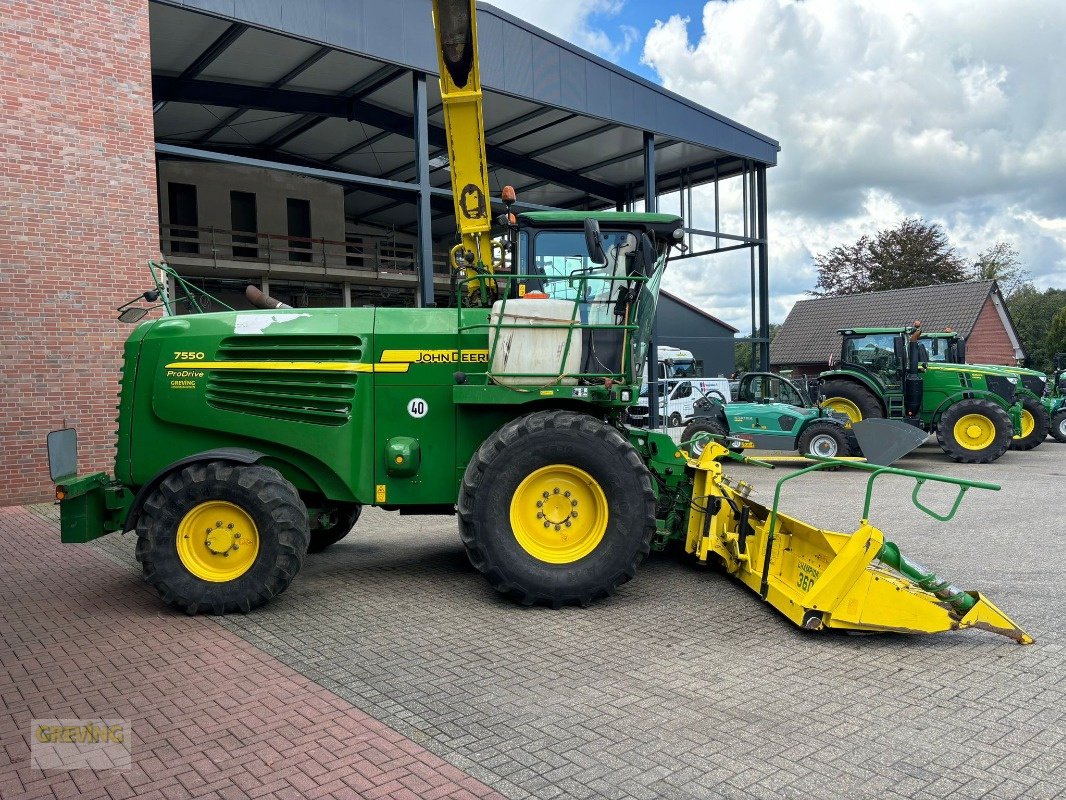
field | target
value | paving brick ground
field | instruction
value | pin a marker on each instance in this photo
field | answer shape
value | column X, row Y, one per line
column 212, row 715
column 683, row 685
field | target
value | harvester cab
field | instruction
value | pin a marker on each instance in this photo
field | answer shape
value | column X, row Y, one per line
column 887, row 373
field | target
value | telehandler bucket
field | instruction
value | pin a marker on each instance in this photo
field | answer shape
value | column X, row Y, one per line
column 824, row 579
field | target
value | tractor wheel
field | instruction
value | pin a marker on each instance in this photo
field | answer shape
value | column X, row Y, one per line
column 343, row 520
column 1058, row 426
column 556, row 507
column 221, row 537
column 857, row 402
column 824, row 439
column 1035, row 425
column 975, row 431
column 675, row 420
column 692, row 432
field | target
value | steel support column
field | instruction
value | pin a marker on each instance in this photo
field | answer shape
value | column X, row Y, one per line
column 651, row 205
column 764, row 268
column 425, row 224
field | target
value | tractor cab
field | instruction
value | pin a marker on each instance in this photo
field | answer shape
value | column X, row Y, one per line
column 769, row 387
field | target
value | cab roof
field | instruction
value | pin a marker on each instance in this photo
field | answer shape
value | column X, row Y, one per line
column 662, row 225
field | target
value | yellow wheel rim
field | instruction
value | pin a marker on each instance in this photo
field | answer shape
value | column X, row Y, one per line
column 217, row 541
column 1028, row 423
column 975, row 432
column 559, row 514
column 843, row 406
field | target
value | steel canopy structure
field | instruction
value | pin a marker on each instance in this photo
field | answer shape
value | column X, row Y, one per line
column 346, row 91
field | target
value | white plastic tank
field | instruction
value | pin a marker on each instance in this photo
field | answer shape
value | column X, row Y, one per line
column 525, row 347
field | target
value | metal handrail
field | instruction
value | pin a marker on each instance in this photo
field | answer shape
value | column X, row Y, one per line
column 919, row 477
column 581, row 281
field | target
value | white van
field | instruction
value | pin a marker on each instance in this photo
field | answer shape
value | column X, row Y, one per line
column 677, row 397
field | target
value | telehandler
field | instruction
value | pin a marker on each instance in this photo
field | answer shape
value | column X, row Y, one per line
column 243, row 435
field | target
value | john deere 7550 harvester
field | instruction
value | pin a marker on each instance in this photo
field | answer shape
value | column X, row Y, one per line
column 243, row 436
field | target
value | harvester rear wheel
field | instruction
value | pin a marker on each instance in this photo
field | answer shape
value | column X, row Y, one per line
column 706, row 426
column 556, row 507
column 975, row 431
column 1058, row 426
column 857, row 402
column 220, row 537
column 825, row 439
column 345, row 519
column 1035, row 424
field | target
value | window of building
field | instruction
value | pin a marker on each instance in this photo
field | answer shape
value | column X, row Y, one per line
column 184, row 218
column 299, row 213
column 244, row 222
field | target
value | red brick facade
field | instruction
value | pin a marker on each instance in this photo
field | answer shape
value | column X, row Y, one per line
column 989, row 342
column 78, row 222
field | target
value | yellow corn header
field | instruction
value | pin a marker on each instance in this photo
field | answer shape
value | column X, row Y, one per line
column 824, row 579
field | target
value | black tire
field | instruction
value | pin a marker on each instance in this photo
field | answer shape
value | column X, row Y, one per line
column 998, row 443
column 493, row 482
column 1041, row 425
column 1058, row 426
column 824, row 439
column 857, row 395
column 675, row 420
column 698, row 426
column 345, row 519
column 261, row 493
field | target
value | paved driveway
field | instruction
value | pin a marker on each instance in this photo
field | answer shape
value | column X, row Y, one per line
column 684, row 684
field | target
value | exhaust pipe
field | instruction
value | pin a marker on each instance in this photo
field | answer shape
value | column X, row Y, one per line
column 260, row 300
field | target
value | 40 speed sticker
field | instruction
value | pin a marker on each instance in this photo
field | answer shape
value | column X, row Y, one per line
column 417, row 407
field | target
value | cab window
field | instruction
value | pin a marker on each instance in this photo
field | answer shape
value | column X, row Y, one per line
column 876, row 352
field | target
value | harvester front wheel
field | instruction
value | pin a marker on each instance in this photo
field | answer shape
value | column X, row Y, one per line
column 825, row 439
column 340, row 523
column 1035, row 424
column 975, row 431
column 851, row 399
column 222, row 537
column 556, row 507
column 699, row 432
column 1058, row 426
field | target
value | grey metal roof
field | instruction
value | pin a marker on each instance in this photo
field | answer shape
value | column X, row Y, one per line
column 327, row 83
column 809, row 333
column 673, row 298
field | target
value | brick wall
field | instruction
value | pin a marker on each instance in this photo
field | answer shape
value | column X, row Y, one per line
column 77, row 223
column 989, row 343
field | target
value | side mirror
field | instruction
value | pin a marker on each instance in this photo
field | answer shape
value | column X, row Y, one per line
column 594, row 241
column 1059, row 358
column 62, row 453
column 960, row 350
column 132, row 315
column 899, row 348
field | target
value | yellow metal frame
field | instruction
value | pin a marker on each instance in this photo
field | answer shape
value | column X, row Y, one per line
column 455, row 26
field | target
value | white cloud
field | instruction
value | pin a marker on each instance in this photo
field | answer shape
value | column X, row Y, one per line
column 953, row 112
column 570, row 21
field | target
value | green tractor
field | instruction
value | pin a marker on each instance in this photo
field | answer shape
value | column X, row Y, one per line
column 886, row 373
column 771, row 413
column 1055, row 399
column 948, row 347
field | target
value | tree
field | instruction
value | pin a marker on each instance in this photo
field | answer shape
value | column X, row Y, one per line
column 744, row 350
column 1001, row 263
column 1056, row 337
column 915, row 253
column 1032, row 312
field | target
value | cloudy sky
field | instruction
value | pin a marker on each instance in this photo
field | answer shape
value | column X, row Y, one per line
column 953, row 111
